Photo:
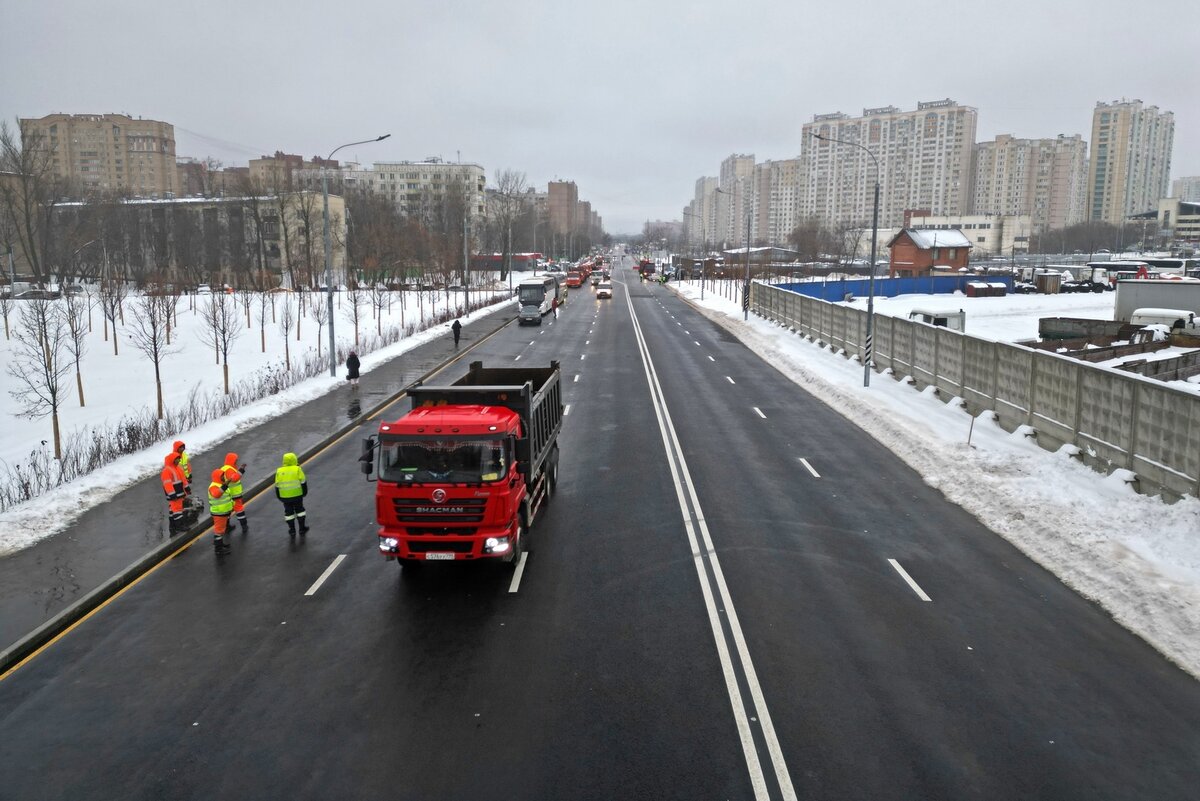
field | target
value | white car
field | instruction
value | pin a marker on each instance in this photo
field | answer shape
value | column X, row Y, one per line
column 604, row 289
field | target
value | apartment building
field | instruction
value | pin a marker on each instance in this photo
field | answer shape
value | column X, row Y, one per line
column 280, row 171
column 410, row 185
column 1130, row 163
column 924, row 162
column 1186, row 189
column 735, row 198
column 1045, row 179
column 776, row 201
column 699, row 219
column 108, row 153
column 562, row 202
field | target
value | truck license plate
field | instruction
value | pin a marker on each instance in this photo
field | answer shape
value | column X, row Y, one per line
column 435, row 555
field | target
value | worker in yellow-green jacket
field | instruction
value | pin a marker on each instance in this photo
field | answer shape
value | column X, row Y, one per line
column 290, row 488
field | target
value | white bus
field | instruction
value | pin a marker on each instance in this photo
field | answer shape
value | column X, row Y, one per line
column 536, row 297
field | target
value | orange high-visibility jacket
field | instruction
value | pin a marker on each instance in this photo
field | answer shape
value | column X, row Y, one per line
column 172, row 477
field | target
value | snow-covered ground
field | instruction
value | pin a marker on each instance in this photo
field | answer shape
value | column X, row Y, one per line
column 1136, row 556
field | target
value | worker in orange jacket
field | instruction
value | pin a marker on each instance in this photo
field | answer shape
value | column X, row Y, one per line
column 174, row 485
column 233, row 480
column 185, row 467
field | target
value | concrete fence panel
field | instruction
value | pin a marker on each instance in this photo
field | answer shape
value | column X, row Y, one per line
column 1116, row 419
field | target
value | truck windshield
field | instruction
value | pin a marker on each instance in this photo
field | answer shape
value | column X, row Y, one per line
column 532, row 295
column 443, row 461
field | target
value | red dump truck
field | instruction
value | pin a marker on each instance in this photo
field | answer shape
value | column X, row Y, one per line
column 462, row 475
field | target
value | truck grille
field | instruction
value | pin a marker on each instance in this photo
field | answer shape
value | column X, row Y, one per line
column 452, row 512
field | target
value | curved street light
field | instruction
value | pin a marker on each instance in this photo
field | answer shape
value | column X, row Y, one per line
column 328, row 248
column 867, row 351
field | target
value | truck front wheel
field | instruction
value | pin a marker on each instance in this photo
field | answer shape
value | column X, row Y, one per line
column 518, row 547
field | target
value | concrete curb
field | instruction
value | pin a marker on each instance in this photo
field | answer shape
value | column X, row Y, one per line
column 12, row 657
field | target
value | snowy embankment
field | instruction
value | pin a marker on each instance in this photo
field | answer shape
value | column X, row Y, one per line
column 121, row 386
column 1136, row 556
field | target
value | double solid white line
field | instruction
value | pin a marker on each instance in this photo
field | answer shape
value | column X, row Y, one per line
column 712, row 584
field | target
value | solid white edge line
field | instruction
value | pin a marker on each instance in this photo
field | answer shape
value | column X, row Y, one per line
column 736, row 699
column 516, row 579
column 904, row 574
column 317, row 584
column 804, row 462
column 758, row 411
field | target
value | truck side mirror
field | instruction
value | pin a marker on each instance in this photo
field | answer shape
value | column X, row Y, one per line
column 366, row 461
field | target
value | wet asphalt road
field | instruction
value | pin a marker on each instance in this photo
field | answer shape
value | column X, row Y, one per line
column 703, row 615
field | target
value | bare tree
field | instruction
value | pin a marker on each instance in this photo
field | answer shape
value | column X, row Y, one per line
column 509, row 185
column 38, row 362
column 266, row 305
column 149, row 333
column 380, row 298
column 286, row 319
column 221, row 328
column 76, row 308
column 112, row 299
column 245, row 297
column 28, row 196
column 356, row 300
column 6, row 303
column 320, row 314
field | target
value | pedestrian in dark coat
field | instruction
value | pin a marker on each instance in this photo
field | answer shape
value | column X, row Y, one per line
column 457, row 329
column 352, row 368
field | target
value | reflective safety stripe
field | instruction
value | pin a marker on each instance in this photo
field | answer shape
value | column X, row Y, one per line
column 220, row 504
column 235, row 487
column 289, row 480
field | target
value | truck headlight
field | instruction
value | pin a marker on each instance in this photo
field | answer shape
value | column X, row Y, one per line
column 495, row 545
column 389, row 544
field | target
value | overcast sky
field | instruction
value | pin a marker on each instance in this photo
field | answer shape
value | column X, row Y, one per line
column 631, row 100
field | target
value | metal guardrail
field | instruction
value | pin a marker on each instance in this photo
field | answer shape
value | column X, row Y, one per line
column 1116, row 420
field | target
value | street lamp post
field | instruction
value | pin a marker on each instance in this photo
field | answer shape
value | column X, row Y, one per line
column 867, row 351
column 329, row 248
column 746, row 285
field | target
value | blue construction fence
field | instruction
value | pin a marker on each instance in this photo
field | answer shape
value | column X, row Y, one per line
column 836, row 290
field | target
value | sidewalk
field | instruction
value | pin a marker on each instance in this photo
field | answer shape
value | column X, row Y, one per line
column 41, row 581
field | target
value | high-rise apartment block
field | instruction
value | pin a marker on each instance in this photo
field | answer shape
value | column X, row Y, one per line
column 1186, row 189
column 776, row 201
column 924, row 163
column 562, row 201
column 735, row 200
column 1130, row 160
column 108, row 152
column 1045, row 179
